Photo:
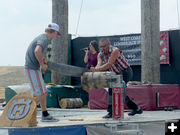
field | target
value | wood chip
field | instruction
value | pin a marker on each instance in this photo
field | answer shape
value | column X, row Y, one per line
column 76, row 119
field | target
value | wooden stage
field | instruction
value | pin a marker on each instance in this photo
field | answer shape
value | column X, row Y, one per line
column 69, row 117
column 148, row 123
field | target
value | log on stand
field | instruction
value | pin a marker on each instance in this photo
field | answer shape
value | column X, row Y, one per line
column 100, row 79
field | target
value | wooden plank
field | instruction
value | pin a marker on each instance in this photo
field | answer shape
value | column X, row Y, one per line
column 67, row 70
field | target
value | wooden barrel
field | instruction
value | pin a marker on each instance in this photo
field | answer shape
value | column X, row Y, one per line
column 69, row 103
column 100, row 79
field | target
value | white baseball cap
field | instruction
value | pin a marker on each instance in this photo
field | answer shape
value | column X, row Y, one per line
column 55, row 27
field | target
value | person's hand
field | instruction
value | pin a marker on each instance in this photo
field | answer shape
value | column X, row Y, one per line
column 92, row 69
column 44, row 67
column 45, row 61
column 86, row 50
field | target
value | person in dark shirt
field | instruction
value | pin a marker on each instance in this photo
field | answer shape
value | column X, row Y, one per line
column 91, row 54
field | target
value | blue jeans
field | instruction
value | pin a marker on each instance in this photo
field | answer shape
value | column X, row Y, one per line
column 127, row 76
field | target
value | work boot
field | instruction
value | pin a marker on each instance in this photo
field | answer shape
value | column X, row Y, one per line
column 137, row 111
column 107, row 116
column 130, row 104
column 49, row 118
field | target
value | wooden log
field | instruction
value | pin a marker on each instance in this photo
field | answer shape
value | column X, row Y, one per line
column 69, row 103
column 100, row 79
column 21, row 111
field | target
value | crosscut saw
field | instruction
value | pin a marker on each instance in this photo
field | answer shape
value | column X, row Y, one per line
column 67, row 70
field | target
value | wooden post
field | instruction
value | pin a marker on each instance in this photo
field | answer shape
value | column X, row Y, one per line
column 150, row 41
column 60, row 44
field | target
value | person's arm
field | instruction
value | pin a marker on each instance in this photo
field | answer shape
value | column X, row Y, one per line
column 42, row 60
column 99, row 60
column 114, row 55
column 86, row 56
column 99, row 63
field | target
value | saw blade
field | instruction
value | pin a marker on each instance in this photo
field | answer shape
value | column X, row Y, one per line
column 67, row 70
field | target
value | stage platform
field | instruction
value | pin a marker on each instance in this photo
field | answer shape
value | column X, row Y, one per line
column 82, row 121
column 69, row 117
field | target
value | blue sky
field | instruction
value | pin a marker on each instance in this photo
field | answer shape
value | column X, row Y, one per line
column 22, row 20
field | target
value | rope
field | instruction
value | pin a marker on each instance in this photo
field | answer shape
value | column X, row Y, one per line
column 79, row 17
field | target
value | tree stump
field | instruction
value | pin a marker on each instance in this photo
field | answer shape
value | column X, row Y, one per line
column 21, row 111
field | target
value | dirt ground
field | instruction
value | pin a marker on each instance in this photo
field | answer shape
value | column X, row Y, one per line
column 11, row 75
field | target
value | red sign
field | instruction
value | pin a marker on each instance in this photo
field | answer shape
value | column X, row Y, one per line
column 118, row 104
column 164, row 47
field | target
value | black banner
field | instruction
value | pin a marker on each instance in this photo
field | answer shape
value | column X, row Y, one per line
column 130, row 45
